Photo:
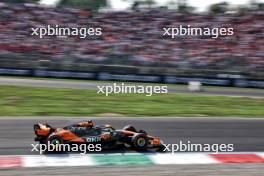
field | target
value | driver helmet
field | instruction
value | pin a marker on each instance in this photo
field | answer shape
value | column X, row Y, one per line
column 88, row 123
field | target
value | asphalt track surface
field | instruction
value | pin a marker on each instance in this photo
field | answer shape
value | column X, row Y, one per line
column 228, row 91
column 169, row 170
column 16, row 135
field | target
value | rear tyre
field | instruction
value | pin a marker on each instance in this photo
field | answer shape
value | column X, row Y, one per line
column 56, row 141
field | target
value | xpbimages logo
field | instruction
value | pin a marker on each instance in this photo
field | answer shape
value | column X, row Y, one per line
column 188, row 30
column 82, row 148
column 193, row 147
column 128, row 89
column 65, row 31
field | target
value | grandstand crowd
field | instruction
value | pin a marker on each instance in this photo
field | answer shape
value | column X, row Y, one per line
column 133, row 38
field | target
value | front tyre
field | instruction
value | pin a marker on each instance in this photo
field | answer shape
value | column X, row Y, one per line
column 140, row 142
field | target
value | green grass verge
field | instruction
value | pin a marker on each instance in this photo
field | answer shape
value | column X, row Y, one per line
column 29, row 101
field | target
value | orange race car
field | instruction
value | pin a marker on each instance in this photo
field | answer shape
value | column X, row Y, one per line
column 86, row 132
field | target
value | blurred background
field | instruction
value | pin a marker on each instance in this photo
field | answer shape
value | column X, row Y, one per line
column 132, row 40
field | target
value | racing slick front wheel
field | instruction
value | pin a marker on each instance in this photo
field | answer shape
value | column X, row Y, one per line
column 130, row 128
column 140, row 141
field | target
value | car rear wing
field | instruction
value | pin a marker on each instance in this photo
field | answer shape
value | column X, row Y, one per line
column 41, row 129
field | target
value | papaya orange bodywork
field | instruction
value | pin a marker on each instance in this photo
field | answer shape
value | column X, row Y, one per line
column 156, row 141
column 68, row 135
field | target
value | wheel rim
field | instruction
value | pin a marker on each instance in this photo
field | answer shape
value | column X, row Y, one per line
column 55, row 142
column 141, row 142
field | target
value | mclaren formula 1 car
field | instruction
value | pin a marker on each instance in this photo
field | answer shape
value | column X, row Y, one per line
column 109, row 137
